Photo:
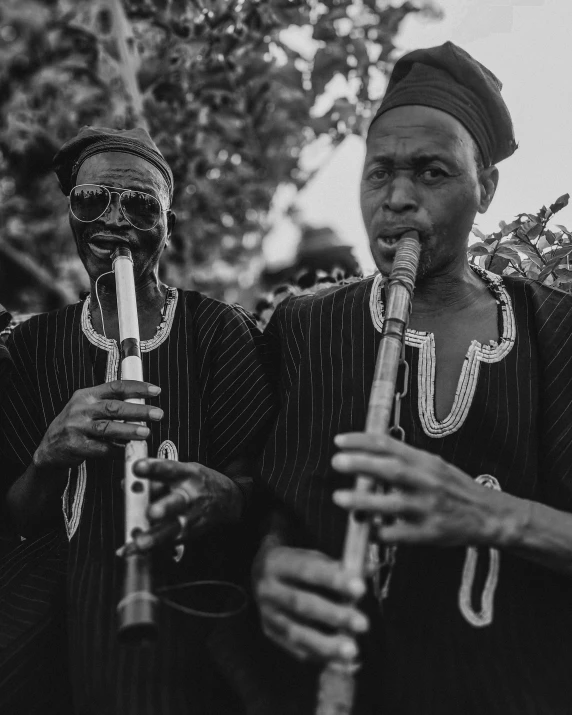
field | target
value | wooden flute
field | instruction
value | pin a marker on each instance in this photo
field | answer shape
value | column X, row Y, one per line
column 136, row 610
column 337, row 680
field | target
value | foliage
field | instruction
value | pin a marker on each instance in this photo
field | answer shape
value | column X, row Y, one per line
column 224, row 92
column 528, row 248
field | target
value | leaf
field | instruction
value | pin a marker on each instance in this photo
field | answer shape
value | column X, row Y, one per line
column 508, row 228
column 564, row 230
column 508, row 252
column 479, row 249
column 534, row 231
column 561, row 253
column 493, row 239
column 478, row 233
column 560, row 203
column 533, row 272
column 498, row 264
column 531, row 253
column 548, row 269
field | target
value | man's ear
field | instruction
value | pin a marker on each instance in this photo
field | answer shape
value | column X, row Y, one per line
column 488, row 182
column 171, row 221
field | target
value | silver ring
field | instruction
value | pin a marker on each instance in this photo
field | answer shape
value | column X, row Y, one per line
column 183, row 492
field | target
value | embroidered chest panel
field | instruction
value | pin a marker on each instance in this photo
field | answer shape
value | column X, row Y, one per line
column 477, row 354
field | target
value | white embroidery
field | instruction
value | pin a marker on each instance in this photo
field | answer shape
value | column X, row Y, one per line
column 476, row 354
column 72, row 512
column 483, row 617
column 167, row 450
column 146, row 345
column 72, row 515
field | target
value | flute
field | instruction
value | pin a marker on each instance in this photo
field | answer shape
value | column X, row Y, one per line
column 337, row 680
column 136, row 609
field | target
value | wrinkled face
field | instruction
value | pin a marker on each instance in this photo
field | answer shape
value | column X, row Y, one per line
column 420, row 173
column 96, row 241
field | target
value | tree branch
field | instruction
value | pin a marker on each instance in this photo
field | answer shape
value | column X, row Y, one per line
column 128, row 60
column 39, row 274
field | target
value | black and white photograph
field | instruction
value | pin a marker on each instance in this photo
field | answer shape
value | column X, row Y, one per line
column 285, row 357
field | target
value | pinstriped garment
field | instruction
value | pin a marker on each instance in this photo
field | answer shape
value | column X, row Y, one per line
column 4, row 354
column 217, row 403
column 457, row 636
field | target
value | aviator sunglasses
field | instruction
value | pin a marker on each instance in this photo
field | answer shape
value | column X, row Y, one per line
column 88, row 202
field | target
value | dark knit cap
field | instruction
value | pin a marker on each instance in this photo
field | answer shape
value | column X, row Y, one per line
column 449, row 79
column 95, row 140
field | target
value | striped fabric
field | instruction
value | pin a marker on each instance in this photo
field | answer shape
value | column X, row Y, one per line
column 463, row 630
column 217, row 405
column 5, row 362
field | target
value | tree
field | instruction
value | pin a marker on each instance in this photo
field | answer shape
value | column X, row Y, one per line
column 226, row 96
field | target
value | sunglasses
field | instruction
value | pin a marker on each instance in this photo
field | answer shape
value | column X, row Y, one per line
column 88, row 202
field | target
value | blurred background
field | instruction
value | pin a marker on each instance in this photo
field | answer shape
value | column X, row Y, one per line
column 260, row 107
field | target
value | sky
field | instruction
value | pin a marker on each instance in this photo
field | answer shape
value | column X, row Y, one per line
column 526, row 44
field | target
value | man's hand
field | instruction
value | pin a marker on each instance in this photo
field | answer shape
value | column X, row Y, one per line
column 304, row 599
column 198, row 498
column 428, row 501
column 89, row 424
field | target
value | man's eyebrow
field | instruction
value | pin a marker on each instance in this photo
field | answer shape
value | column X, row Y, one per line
column 415, row 159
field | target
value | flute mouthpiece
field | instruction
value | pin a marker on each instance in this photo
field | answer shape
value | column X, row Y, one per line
column 121, row 252
column 411, row 234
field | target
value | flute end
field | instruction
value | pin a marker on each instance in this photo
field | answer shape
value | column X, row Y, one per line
column 137, row 610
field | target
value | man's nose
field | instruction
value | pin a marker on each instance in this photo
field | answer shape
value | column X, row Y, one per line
column 113, row 214
column 401, row 195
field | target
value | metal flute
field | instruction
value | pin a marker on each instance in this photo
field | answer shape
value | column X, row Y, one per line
column 337, row 680
column 136, row 609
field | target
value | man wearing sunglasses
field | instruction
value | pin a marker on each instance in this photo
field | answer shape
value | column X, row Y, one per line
column 66, row 417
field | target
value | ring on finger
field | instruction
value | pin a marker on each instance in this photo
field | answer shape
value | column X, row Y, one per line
column 182, row 491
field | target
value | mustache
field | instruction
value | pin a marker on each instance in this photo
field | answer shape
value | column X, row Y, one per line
column 116, row 236
column 397, row 230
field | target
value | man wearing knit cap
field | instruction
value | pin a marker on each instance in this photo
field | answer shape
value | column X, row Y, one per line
column 469, row 611
column 65, row 421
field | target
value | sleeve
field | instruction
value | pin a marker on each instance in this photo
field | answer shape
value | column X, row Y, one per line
column 5, row 359
column 241, row 398
column 21, row 416
column 553, row 317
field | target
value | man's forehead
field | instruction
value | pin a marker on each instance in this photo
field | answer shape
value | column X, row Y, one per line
column 414, row 128
column 121, row 169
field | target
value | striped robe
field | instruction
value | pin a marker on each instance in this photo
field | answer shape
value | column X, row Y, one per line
column 217, row 405
column 469, row 631
column 5, row 362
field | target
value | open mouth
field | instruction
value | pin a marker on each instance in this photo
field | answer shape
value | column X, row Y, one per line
column 103, row 248
column 388, row 240
column 391, row 240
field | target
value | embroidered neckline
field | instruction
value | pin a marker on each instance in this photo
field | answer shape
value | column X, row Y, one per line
column 476, row 354
column 109, row 344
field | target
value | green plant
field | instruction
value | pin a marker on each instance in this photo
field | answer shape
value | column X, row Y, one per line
column 528, row 248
